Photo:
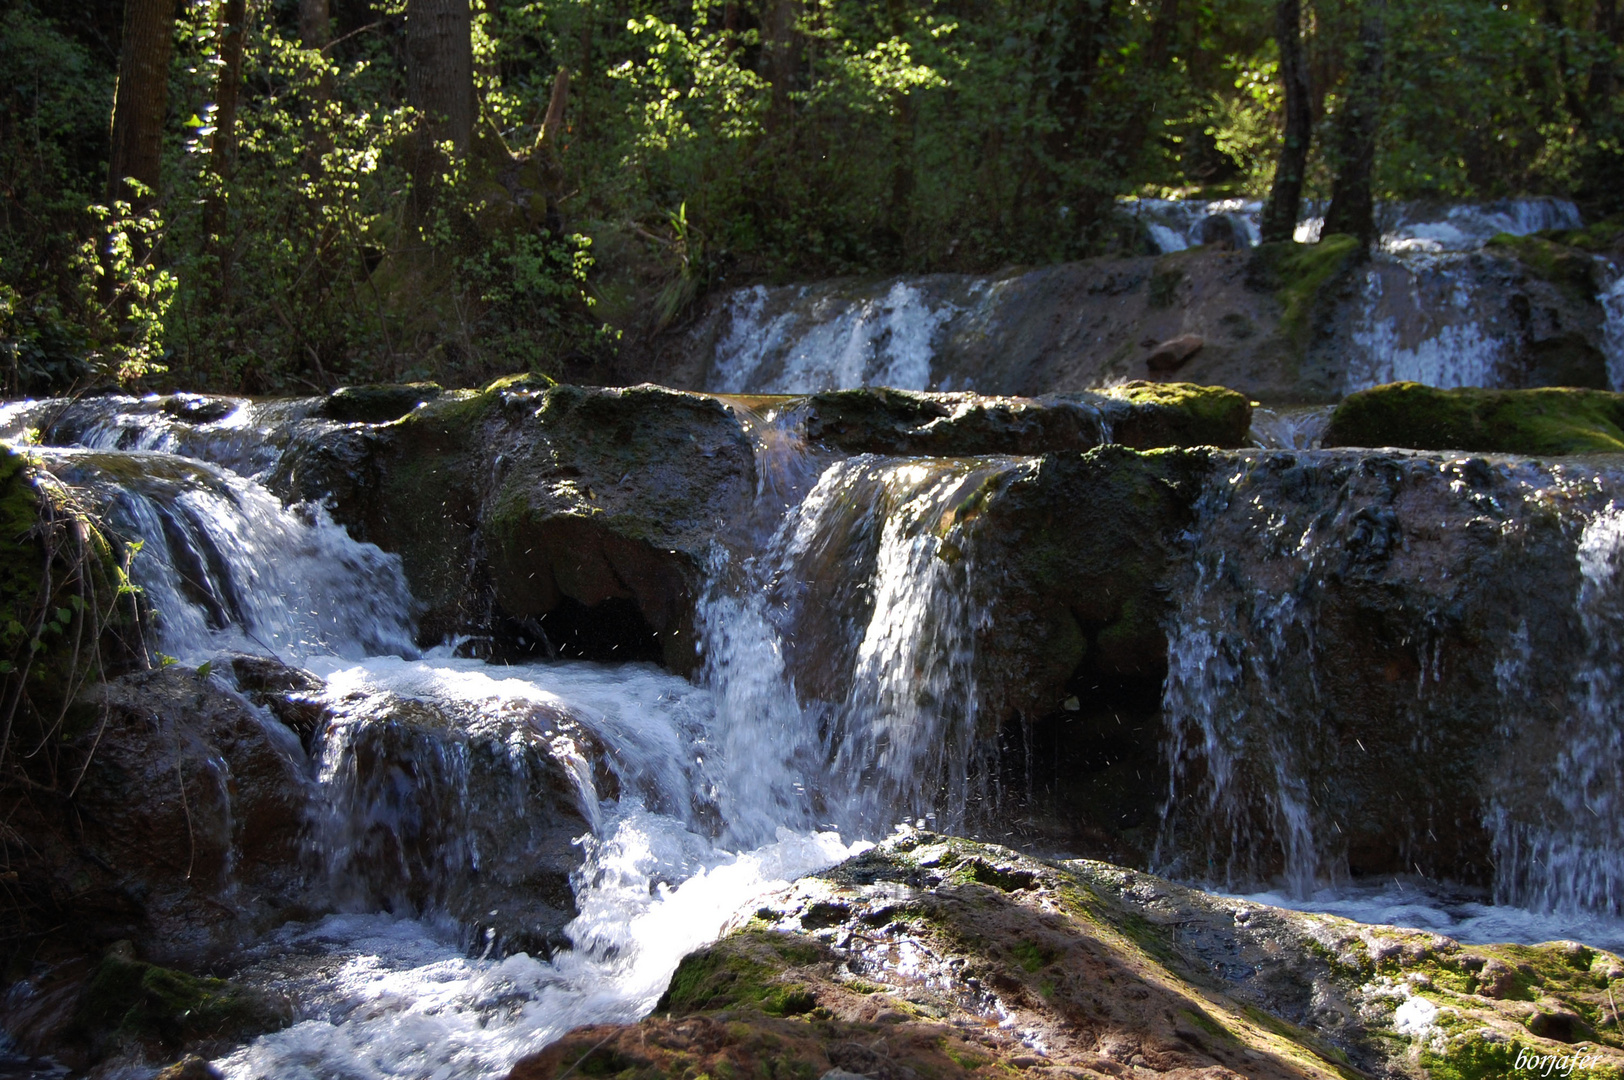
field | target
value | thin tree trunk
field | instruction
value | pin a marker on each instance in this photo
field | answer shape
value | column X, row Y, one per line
column 902, row 122
column 440, row 85
column 1610, row 31
column 141, row 99
column 1353, row 204
column 1286, row 196
column 548, row 146
column 227, row 88
column 223, row 144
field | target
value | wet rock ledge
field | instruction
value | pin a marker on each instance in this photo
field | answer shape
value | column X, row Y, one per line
column 932, row 956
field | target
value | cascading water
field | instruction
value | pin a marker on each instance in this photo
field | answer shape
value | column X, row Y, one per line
column 441, row 783
column 1286, row 757
column 852, row 633
column 1570, row 856
column 1436, row 305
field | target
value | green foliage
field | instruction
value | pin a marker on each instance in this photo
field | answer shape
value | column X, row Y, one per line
column 704, row 145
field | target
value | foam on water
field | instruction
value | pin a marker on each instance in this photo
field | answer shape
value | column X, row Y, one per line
column 388, row 999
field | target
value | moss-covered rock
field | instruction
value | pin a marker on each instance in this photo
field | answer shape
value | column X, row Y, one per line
column 377, row 403
column 1178, row 414
column 1298, row 274
column 933, row 956
column 1566, row 267
column 1144, row 415
column 128, row 1001
column 616, row 502
column 1542, row 421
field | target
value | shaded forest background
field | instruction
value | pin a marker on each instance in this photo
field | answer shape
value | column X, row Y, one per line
column 294, row 194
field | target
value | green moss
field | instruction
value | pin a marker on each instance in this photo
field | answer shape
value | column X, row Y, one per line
column 1476, row 1058
column 524, row 380
column 1175, row 414
column 128, row 999
column 1029, row 956
column 1568, row 269
column 1204, row 1020
column 1549, row 420
column 1164, row 285
column 743, row 971
column 1296, row 273
column 1595, row 238
column 20, row 566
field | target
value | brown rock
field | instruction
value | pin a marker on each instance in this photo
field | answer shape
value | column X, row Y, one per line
column 1497, row 980
column 1172, row 355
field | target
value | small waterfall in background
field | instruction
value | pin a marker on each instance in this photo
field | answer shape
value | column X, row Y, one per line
column 1432, row 307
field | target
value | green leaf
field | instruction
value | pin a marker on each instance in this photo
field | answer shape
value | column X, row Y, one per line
column 204, row 669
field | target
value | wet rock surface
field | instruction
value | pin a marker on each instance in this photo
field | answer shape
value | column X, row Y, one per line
column 465, row 813
column 576, row 522
column 934, row 956
column 1281, row 323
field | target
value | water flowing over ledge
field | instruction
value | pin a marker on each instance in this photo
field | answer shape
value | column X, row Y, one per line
column 877, row 638
column 1447, row 301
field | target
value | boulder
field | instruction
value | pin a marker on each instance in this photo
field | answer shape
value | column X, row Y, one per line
column 439, row 808
column 1530, row 422
column 1171, row 355
column 618, row 496
column 877, row 420
column 185, row 833
column 893, row 965
column 376, row 403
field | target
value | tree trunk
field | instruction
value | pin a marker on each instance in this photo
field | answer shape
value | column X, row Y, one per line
column 233, row 33
column 1286, row 196
column 141, row 99
column 440, row 85
column 1610, row 32
column 783, row 56
column 1353, row 204
column 552, row 161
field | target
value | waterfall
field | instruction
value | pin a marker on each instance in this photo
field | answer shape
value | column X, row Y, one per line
column 851, row 634
column 225, row 566
column 1568, row 855
column 1309, row 707
column 1435, row 305
column 1176, row 224
column 815, row 343
column 836, row 699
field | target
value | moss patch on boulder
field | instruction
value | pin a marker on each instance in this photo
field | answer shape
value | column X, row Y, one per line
column 1571, row 270
column 1296, row 274
column 1165, row 414
column 128, row 1001
column 1547, row 420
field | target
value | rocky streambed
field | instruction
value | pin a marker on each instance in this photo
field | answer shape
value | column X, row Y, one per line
column 471, row 713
